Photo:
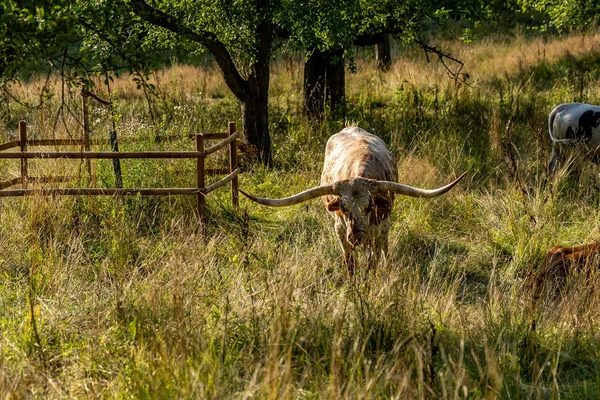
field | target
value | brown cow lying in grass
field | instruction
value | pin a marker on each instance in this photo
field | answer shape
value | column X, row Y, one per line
column 559, row 256
column 562, row 261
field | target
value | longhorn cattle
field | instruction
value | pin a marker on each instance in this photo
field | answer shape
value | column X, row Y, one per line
column 570, row 124
column 358, row 184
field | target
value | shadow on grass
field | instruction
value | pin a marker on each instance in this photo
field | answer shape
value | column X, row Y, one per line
column 446, row 263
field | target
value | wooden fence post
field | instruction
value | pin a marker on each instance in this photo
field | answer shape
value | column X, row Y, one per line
column 200, row 177
column 86, row 134
column 233, row 164
column 23, row 145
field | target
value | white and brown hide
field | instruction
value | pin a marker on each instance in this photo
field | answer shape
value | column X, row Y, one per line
column 354, row 159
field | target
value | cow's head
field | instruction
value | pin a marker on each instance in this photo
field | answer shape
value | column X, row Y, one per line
column 359, row 201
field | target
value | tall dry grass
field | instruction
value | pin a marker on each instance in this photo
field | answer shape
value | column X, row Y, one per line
column 124, row 297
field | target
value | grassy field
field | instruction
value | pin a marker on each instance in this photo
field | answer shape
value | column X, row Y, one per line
column 123, row 297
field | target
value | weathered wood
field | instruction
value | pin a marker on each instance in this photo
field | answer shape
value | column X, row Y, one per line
column 200, row 177
column 10, row 145
column 101, row 192
column 230, row 139
column 120, row 192
column 97, row 142
column 104, row 154
column 23, row 145
column 233, row 165
column 10, row 182
column 213, row 136
column 221, row 144
column 222, row 182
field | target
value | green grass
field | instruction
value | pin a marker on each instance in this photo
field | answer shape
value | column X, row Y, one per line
column 124, row 297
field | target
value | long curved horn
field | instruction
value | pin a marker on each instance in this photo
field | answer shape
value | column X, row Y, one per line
column 416, row 192
column 295, row 199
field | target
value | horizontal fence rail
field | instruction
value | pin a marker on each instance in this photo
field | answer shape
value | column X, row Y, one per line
column 222, row 144
column 104, row 154
column 120, row 191
column 10, row 145
column 99, row 191
column 228, row 139
column 97, row 142
column 119, row 155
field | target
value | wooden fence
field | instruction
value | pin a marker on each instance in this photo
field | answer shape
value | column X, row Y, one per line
column 200, row 155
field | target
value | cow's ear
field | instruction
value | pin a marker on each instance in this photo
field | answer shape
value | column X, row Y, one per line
column 334, row 205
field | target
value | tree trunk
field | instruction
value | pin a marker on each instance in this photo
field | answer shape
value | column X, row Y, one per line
column 314, row 85
column 252, row 92
column 383, row 54
column 335, row 81
column 324, row 82
column 255, row 102
column 255, row 120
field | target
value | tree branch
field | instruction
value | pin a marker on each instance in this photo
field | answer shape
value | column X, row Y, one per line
column 442, row 57
column 236, row 83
